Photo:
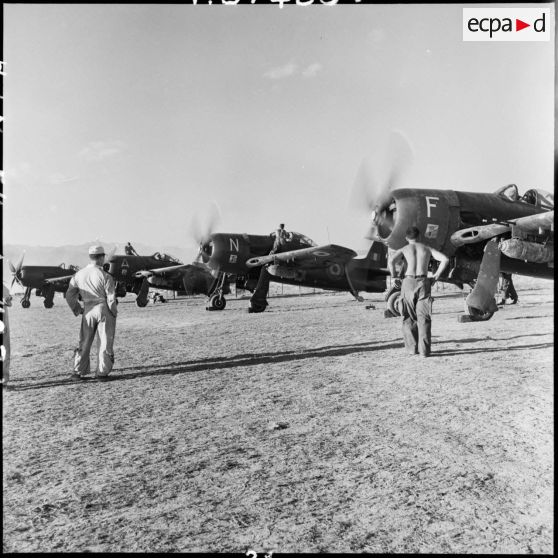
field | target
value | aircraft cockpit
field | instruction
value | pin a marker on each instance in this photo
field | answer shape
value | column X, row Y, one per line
column 166, row 257
column 294, row 237
column 508, row 192
column 538, row 198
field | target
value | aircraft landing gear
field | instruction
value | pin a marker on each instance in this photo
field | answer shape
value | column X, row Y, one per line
column 256, row 307
column 393, row 303
column 476, row 315
column 48, row 293
column 217, row 300
column 141, row 299
column 392, row 300
column 25, row 300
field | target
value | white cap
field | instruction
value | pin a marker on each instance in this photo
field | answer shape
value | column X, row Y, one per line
column 96, row 250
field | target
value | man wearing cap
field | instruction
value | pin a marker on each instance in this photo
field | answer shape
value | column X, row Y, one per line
column 97, row 290
column 416, row 299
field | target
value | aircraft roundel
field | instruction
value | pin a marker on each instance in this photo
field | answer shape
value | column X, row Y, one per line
column 334, row 270
column 321, row 253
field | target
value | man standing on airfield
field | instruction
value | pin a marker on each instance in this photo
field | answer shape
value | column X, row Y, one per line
column 416, row 299
column 97, row 291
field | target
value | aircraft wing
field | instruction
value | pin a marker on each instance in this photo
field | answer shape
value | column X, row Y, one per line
column 529, row 224
column 62, row 281
column 172, row 270
column 533, row 223
column 305, row 258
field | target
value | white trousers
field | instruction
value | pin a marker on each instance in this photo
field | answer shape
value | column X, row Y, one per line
column 96, row 319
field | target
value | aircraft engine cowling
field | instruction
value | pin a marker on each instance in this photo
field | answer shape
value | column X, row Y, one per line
column 527, row 251
column 434, row 212
column 227, row 252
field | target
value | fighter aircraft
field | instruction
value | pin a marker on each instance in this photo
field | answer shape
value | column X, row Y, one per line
column 137, row 273
column 482, row 233
column 300, row 262
column 45, row 279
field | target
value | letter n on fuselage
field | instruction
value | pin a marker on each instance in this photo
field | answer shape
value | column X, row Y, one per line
column 234, row 244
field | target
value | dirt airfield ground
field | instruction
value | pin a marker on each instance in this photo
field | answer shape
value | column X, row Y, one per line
column 302, row 429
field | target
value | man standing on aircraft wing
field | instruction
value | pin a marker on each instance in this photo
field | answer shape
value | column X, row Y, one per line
column 416, row 299
column 97, row 291
column 281, row 236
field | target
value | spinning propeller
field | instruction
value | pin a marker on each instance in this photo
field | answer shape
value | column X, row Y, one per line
column 373, row 193
column 16, row 271
column 201, row 232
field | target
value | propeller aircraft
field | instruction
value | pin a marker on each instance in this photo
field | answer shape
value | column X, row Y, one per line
column 484, row 234
column 45, row 279
column 137, row 273
column 300, row 262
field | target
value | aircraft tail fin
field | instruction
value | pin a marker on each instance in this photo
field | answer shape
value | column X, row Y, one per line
column 377, row 255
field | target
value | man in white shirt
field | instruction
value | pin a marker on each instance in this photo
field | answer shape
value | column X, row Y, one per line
column 97, row 290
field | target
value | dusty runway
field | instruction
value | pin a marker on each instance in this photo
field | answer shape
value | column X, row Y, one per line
column 302, row 429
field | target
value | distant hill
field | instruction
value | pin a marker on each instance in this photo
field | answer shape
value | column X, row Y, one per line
column 77, row 254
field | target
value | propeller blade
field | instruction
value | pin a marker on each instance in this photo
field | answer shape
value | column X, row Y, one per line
column 372, row 192
column 11, row 266
column 110, row 254
column 201, row 232
column 20, row 263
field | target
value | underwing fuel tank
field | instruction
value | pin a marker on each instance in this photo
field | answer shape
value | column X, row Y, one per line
column 527, row 251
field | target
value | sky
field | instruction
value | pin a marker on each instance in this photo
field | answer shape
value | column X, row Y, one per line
column 126, row 122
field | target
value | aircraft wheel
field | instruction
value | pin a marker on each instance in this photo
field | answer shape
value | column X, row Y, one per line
column 477, row 315
column 393, row 303
column 396, row 287
column 48, row 303
column 25, row 303
column 141, row 302
column 257, row 307
column 217, row 302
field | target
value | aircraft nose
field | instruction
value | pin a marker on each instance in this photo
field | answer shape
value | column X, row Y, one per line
column 384, row 219
column 206, row 250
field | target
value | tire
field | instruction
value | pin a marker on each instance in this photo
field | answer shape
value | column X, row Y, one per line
column 218, row 302
column 141, row 302
column 477, row 315
column 393, row 303
column 25, row 303
column 48, row 303
column 256, row 308
column 395, row 287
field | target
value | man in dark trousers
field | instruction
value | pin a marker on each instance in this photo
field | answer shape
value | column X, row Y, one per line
column 507, row 290
column 416, row 299
column 258, row 300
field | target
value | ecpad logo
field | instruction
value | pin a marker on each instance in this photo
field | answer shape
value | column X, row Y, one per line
column 507, row 24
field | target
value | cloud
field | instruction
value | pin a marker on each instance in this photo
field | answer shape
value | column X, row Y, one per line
column 100, row 150
column 59, row 178
column 291, row 69
column 281, row 72
column 312, row 70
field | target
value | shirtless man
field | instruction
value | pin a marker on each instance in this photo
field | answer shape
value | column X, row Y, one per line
column 416, row 300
